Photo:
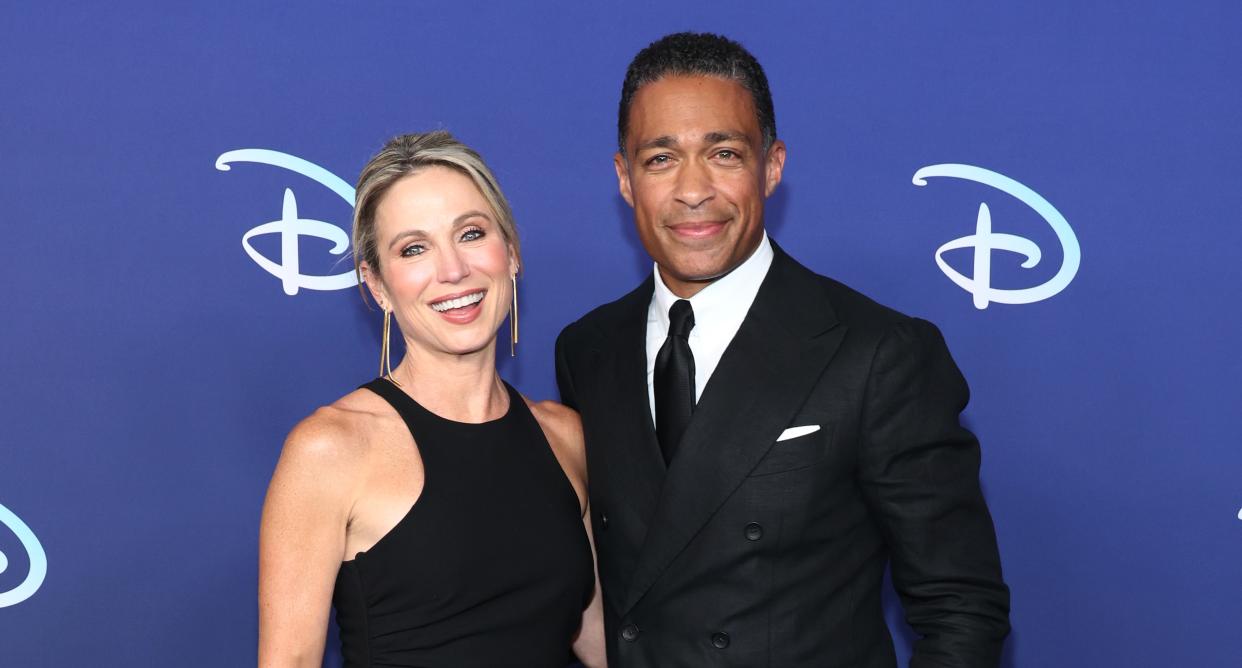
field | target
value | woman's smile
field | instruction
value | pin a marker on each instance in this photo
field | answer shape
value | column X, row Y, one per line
column 460, row 308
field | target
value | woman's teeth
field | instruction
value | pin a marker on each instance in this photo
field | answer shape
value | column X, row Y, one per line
column 460, row 302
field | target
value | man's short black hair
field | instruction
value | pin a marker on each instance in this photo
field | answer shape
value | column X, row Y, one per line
column 697, row 54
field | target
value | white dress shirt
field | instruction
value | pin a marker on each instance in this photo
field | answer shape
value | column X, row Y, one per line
column 719, row 310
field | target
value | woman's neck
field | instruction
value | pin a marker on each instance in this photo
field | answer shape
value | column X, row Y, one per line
column 462, row 388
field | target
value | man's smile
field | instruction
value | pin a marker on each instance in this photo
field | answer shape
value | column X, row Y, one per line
column 699, row 229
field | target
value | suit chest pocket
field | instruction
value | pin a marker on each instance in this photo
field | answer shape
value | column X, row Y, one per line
column 797, row 452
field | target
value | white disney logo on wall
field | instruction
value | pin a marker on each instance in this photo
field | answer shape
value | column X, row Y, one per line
column 984, row 240
column 38, row 560
column 290, row 226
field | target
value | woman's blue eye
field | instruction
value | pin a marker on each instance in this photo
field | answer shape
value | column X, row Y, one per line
column 471, row 235
column 412, row 250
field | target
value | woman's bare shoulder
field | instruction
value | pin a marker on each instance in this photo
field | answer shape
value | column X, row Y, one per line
column 559, row 419
column 339, row 434
column 563, row 428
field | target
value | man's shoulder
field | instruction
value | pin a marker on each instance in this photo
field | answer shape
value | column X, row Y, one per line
column 850, row 306
column 869, row 322
column 855, row 307
column 605, row 319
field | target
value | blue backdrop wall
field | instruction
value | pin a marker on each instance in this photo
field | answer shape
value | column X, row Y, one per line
column 150, row 365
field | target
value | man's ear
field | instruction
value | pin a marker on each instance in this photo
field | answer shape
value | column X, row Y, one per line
column 623, row 178
column 774, row 168
column 374, row 285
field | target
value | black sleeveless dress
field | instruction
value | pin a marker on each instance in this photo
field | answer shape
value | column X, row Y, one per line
column 491, row 566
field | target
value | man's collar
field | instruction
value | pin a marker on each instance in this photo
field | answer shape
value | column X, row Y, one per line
column 723, row 293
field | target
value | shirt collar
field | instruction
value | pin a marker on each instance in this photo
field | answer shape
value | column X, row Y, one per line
column 726, row 299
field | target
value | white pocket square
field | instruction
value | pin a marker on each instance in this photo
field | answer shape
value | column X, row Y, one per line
column 795, row 432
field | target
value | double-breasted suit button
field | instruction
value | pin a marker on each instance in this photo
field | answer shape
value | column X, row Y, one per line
column 629, row 633
column 754, row 531
column 720, row 640
column 603, row 521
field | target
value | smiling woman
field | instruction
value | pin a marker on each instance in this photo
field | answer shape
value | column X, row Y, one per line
column 389, row 504
column 443, row 264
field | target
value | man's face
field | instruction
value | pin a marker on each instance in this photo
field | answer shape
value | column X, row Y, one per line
column 696, row 174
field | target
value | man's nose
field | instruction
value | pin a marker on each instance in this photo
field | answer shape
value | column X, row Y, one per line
column 694, row 184
column 451, row 267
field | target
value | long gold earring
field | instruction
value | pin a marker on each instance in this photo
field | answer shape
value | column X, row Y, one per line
column 513, row 321
column 385, row 361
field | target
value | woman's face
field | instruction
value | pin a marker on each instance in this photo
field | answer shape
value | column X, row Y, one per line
column 445, row 267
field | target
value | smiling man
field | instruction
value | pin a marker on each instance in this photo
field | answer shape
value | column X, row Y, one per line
column 762, row 441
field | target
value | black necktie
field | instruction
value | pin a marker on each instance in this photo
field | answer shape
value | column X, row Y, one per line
column 674, row 380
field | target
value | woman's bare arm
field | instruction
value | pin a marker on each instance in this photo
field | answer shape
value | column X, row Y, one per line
column 302, row 540
column 563, row 427
column 589, row 643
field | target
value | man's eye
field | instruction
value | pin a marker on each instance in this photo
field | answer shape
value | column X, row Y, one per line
column 471, row 235
column 658, row 160
column 727, row 154
column 412, row 250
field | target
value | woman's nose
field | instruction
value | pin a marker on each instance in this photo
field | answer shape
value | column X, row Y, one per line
column 451, row 266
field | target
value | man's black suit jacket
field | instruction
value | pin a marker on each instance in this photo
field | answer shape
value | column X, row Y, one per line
column 751, row 552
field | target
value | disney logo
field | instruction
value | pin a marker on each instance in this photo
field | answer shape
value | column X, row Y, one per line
column 38, row 560
column 290, row 226
column 984, row 240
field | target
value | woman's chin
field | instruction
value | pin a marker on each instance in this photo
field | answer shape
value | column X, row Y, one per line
column 465, row 346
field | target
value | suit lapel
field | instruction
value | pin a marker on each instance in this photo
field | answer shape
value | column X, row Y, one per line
column 762, row 380
column 630, row 455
